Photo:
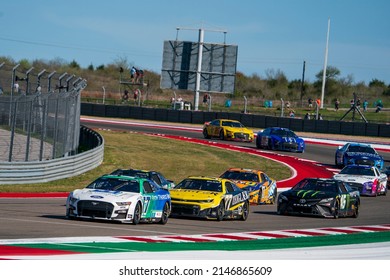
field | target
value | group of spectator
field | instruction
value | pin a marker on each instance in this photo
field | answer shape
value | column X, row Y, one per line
column 357, row 103
column 136, row 75
column 136, row 95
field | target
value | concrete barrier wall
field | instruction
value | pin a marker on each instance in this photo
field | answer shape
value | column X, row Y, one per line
column 250, row 120
column 30, row 172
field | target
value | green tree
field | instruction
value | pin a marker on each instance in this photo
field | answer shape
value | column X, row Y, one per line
column 74, row 64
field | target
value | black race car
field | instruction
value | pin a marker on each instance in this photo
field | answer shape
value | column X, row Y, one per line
column 320, row 197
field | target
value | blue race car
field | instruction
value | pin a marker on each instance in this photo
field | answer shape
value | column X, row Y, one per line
column 279, row 138
column 357, row 153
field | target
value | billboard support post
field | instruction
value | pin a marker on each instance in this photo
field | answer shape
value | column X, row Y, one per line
column 199, row 69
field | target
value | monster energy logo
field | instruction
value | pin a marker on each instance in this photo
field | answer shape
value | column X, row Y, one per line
column 310, row 193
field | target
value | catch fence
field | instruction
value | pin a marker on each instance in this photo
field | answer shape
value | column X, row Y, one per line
column 39, row 114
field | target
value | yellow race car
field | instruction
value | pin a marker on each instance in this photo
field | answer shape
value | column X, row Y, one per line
column 262, row 189
column 225, row 129
column 213, row 198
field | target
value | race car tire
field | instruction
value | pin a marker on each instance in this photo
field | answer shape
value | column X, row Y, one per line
column 259, row 196
column 206, row 134
column 270, row 145
column 258, row 143
column 356, row 211
column 336, row 212
column 281, row 209
column 221, row 211
column 245, row 211
column 67, row 215
column 274, row 196
column 335, row 162
column 221, row 135
column 137, row 214
column 165, row 214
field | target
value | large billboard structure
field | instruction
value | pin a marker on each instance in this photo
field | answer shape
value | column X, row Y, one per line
column 199, row 66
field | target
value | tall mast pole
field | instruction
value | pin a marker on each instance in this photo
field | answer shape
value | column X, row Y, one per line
column 325, row 66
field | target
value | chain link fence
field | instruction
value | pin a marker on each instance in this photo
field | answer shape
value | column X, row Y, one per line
column 39, row 114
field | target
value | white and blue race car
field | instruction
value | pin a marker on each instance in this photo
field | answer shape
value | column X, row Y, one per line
column 367, row 179
column 358, row 153
column 120, row 198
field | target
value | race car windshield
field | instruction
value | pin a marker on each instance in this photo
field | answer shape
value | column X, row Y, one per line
column 361, row 149
column 241, row 176
column 355, row 170
column 132, row 173
column 232, row 124
column 112, row 184
column 314, row 185
column 201, row 185
column 284, row 133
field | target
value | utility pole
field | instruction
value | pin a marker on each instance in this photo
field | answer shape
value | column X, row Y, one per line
column 325, row 66
column 303, row 80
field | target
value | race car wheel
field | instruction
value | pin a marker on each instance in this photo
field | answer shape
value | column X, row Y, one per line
column 356, row 211
column 165, row 214
column 137, row 214
column 68, row 216
column 259, row 196
column 335, row 162
column 336, row 209
column 281, row 209
column 270, row 145
column 258, row 143
column 245, row 211
column 221, row 135
column 274, row 197
column 221, row 211
column 206, row 134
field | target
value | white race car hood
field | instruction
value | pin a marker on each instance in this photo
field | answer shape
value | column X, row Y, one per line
column 104, row 195
column 354, row 178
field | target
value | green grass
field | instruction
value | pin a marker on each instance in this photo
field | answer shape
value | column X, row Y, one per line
column 173, row 158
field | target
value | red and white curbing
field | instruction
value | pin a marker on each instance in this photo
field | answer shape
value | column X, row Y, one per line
column 210, row 237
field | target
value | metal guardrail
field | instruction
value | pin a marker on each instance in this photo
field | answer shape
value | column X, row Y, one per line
column 30, row 172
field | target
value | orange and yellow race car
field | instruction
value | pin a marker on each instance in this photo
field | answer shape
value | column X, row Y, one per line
column 261, row 188
column 225, row 129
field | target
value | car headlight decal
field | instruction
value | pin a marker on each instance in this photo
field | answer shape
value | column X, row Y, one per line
column 123, row 203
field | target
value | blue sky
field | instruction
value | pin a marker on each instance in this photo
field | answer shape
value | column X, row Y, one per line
column 270, row 35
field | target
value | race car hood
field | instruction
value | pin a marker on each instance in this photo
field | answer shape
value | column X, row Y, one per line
column 308, row 194
column 247, row 185
column 193, row 195
column 289, row 139
column 354, row 178
column 110, row 196
column 363, row 155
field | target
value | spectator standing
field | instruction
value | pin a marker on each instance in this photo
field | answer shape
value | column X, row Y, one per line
column 125, row 96
column 365, row 104
column 205, row 99
column 136, row 93
column 358, row 103
column 133, row 72
column 336, row 104
column 307, row 116
column 16, row 87
column 310, row 102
